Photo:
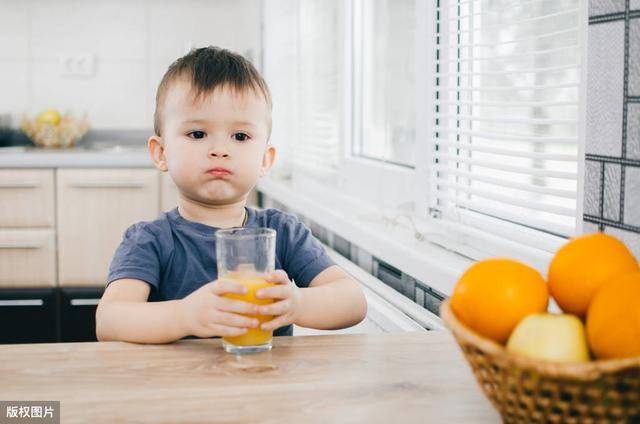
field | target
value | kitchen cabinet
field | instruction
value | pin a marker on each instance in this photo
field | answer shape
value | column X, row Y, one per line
column 27, row 232
column 27, row 198
column 27, row 257
column 95, row 207
column 28, row 315
column 78, row 313
column 47, row 315
column 59, row 228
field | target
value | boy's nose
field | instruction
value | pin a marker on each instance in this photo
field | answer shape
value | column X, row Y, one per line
column 217, row 154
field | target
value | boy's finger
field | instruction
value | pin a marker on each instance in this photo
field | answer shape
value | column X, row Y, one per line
column 224, row 331
column 237, row 306
column 222, row 286
column 274, row 292
column 234, row 320
column 275, row 323
column 278, row 276
column 278, row 308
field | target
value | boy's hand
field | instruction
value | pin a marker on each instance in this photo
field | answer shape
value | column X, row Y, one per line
column 288, row 300
column 206, row 313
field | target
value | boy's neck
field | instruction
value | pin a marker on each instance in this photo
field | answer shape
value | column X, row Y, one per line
column 219, row 216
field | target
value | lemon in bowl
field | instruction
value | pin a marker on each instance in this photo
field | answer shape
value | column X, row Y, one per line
column 49, row 116
column 51, row 129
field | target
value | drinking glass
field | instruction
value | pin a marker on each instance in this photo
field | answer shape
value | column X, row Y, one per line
column 247, row 255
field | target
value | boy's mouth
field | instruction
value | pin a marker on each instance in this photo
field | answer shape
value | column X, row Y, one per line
column 219, row 171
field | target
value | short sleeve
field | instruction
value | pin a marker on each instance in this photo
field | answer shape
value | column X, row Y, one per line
column 137, row 257
column 304, row 256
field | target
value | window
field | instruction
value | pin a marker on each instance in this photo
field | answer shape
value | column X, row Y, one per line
column 467, row 115
column 304, row 51
column 507, row 114
column 384, row 75
column 280, row 69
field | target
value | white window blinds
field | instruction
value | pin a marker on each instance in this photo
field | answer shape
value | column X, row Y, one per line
column 508, row 89
column 304, row 49
column 280, row 70
column 320, row 85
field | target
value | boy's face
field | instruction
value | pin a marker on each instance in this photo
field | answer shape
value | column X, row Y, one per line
column 214, row 149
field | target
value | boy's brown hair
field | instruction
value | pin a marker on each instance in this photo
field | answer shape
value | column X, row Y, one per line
column 208, row 68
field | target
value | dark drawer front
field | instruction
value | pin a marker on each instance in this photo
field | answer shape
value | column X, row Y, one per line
column 28, row 315
column 78, row 313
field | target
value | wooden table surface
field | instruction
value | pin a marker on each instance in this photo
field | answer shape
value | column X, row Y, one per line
column 390, row 378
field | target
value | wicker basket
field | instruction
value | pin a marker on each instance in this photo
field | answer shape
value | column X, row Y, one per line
column 63, row 135
column 527, row 390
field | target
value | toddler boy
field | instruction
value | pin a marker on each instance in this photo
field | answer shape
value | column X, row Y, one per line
column 212, row 125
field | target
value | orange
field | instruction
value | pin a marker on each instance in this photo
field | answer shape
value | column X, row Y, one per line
column 493, row 295
column 613, row 318
column 582, row 265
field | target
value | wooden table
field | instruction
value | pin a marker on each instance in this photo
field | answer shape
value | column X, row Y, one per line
column 389, row 378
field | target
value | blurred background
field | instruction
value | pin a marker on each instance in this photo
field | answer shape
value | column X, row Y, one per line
column 107, row 57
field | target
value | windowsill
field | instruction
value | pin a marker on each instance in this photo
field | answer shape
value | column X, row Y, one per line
column 360, row 223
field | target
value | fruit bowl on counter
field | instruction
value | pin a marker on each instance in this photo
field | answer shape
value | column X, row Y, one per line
column 579, row 366
column 53, row 130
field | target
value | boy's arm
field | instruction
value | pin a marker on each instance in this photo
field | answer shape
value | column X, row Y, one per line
column 124, row 314
column 332, row 301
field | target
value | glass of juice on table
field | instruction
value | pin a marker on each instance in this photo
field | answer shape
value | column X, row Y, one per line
column 247, row 255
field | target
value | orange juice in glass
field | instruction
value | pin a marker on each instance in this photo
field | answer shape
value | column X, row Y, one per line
column 247, row 255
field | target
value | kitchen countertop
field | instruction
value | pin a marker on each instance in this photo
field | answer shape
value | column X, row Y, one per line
column 103, row 156
column 389, row 377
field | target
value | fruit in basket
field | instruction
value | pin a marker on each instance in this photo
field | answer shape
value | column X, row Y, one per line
column 613, row 318
column 494, row 295
column 582, row 265
column 50, row 129
column 49, row 116
column 555, row 337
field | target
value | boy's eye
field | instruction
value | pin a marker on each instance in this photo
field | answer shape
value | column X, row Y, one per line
column 197, row 134
column 240, row 136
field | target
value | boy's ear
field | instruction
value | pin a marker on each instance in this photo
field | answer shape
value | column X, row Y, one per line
column 156, row 152
column 268, row 159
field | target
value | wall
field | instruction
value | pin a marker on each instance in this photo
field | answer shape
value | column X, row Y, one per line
column 131, row 43
column 612, row 168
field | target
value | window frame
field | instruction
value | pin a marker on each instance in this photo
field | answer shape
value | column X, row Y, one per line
column 393, row 181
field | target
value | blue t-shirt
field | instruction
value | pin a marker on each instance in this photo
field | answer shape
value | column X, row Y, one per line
column 176, row 256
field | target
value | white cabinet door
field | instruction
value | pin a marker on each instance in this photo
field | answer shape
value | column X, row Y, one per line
column 27, row 258
column 95, row 207
column 26, row 198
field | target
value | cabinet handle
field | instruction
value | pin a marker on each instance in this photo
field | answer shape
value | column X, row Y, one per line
column 22, row 302
column 108, row 185
column 20, row 246
column 19, row 185
column 84, row 302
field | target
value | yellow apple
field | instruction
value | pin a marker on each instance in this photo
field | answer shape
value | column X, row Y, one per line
column 555, row 337
column 49, row 116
